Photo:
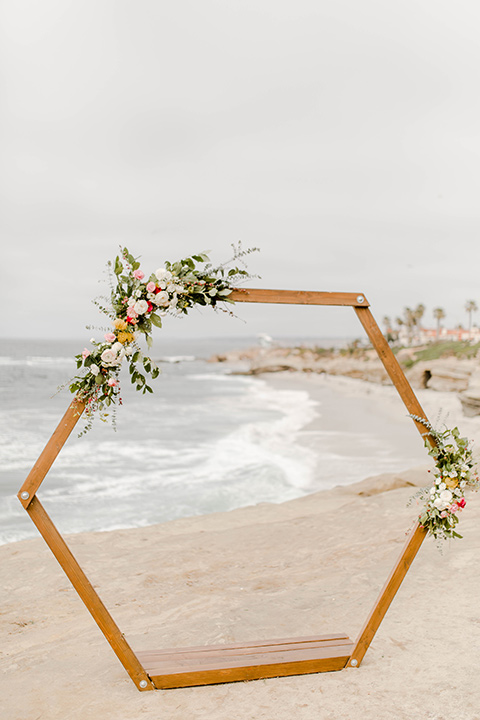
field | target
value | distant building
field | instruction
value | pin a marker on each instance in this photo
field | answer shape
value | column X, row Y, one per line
column 427, row 335
column 410, row 337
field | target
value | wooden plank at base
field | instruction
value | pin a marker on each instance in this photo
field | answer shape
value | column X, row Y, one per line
column 185, row 667
column 245, row 646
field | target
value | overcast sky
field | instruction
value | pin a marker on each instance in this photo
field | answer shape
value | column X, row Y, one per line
column 342, row 138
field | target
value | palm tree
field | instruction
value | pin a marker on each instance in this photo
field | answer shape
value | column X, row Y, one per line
column 411, row 319
column 419, row 313
column 470, row 307
column 390, row 333
column 439, row 314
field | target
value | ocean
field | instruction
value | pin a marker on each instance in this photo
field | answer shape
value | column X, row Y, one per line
column 208, row 440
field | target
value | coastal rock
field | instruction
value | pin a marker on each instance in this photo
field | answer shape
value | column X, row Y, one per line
column 452, row 375
column 256, row 361
column 415, row 477
column 444, row 376
column 470, row 399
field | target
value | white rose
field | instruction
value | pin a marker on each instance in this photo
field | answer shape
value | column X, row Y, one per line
column 446, row 496
column 171, row 287
column 113, row 355
column 161, row 298
column 141, row 307
column 108, row 356
column 163, row 274
column 440, row 504
column 120, row 350
column 94, row 369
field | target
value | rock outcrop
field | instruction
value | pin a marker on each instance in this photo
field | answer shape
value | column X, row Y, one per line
column 470, row 399
column 443, row 375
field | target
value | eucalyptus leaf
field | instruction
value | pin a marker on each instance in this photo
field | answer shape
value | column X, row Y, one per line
column 156, row 320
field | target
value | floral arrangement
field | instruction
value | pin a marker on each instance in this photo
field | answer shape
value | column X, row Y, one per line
column 137, row 304
column 454, row 473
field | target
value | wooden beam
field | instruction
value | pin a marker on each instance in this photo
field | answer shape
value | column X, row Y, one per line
column 299, row 297
column 388, row 592
column 392, row 367
column 50, row 452
column 85, row 590
column 418, row 533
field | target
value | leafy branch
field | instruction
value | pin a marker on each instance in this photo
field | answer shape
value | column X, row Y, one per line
column 454, row 473
column 136, row 305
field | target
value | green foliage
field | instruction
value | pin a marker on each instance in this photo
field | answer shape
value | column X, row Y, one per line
column 454, row 472
column 447, row 348
column 135, row 306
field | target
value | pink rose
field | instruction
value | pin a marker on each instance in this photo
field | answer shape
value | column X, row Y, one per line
column 85, row 353
column 151, row 287
column 112, row 382
column 138, row 274
column 454, row 507
column 109, row 337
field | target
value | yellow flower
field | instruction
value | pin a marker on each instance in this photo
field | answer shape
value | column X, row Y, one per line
column 125, row 337
column 120, row 324
column 451, row 482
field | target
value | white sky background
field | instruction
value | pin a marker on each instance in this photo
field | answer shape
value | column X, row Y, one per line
column 342, row 138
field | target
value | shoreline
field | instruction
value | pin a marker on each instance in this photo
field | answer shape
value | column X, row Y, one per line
column 310, row 565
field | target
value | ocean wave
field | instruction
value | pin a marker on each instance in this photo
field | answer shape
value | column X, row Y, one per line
column 35, row 361
column 233, row 443
column 175, row 359
column 216, row 377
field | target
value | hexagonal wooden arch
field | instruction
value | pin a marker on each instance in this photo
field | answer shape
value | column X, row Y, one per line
column 208, row 664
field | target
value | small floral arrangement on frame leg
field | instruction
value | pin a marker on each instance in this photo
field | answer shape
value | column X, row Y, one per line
column 454, row 474
column 136, row 305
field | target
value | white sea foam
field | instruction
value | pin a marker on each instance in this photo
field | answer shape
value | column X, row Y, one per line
column 175, row 359
column 34, row 361
column 266, row 442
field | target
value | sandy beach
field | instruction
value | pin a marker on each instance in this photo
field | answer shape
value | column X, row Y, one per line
column 309, row 566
